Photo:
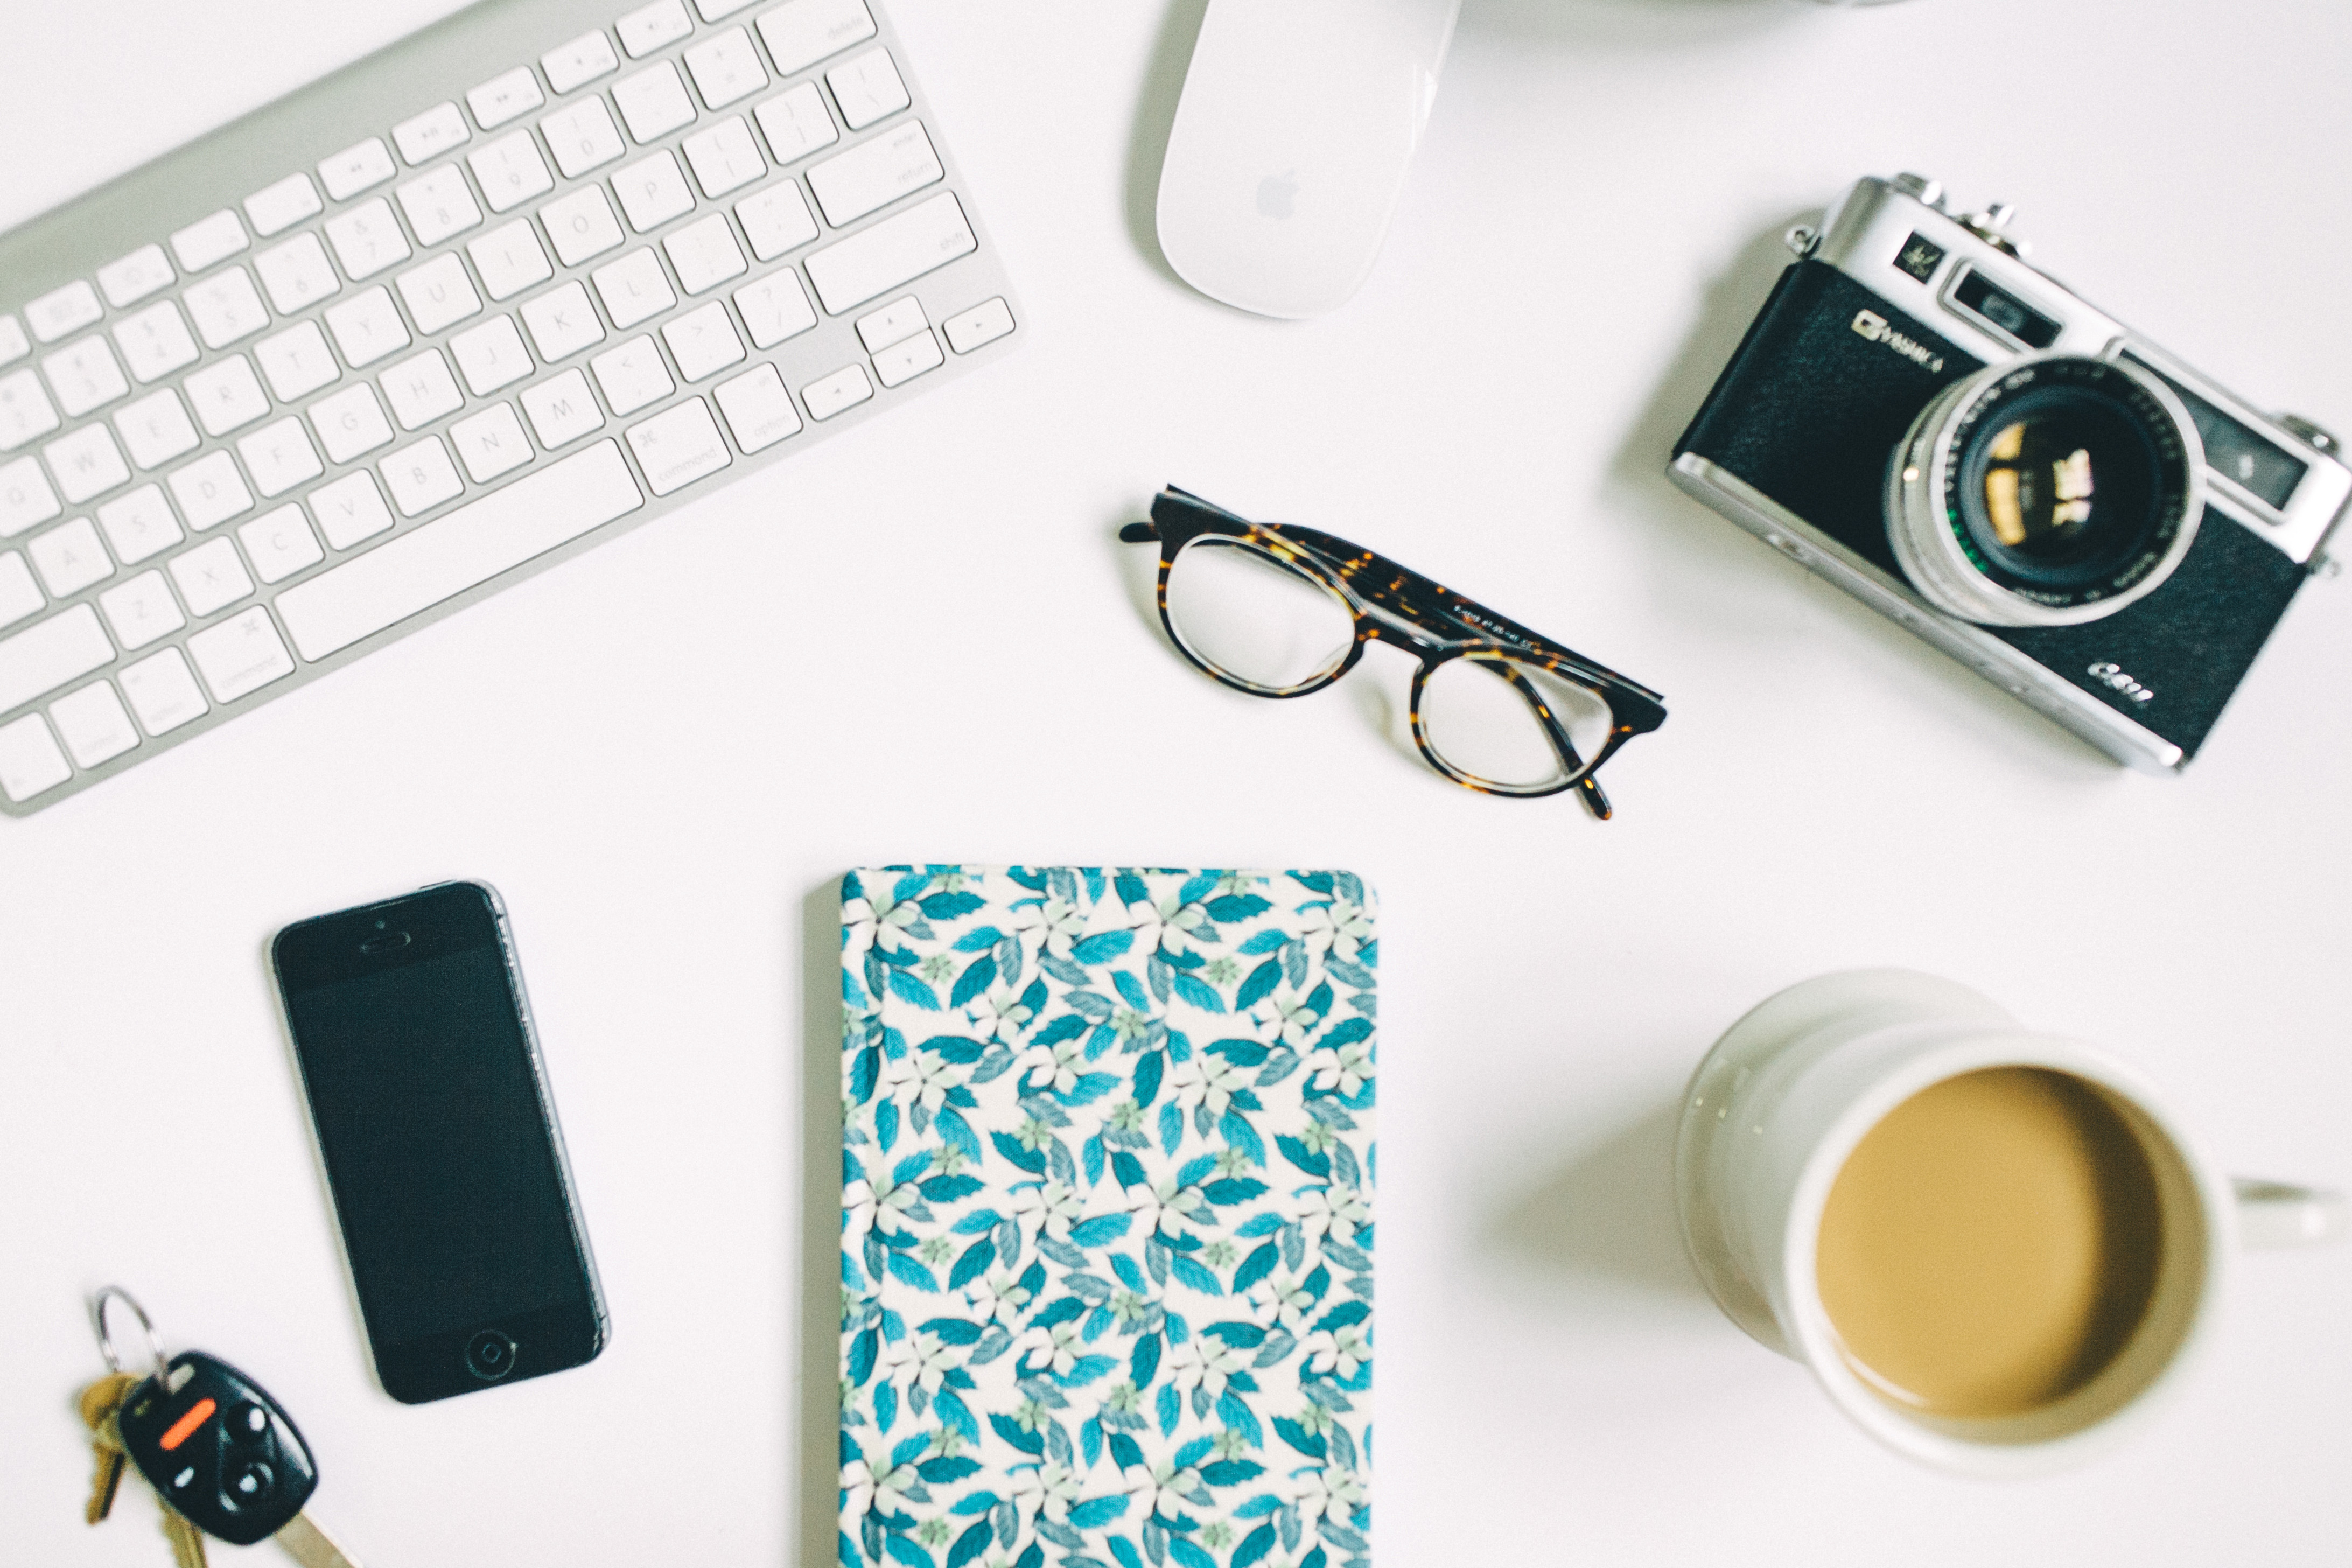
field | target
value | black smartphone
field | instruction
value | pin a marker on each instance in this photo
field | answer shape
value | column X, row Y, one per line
column 447, row 1168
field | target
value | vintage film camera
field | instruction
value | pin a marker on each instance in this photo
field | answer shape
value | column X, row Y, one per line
column 1966, row 447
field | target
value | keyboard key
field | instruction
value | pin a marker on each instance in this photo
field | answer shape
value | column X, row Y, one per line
column 63, row 311
column 510, row 259
column 25, row 411
column 634, row 288
column 297, row 273
column 356, row 168
column 874, row 174
column 227, row 395
column 84, row 376
column 562, row 322
column 511, row 171
column 649, row 27
column 705, row 254
column 210, row 491
column 93, row 724
column 210, row 577
column 774, row 309
column 796, row 124
column 679, row 445
column 367, row 239
column 421, row 477
column 226, row 307
column 653, row 192
column 279, row 457
column 367, row 328
column 505, row 97
column 155, row 342
column 758, row 408
column 25, row 498
column 844, row 388
column 726, row 68
column 776, row 220
column 280, row 544
column 867, row 88
column 69, row 559
column 29, row 760
column 163, row 693
column 473, row 543
column 713, row 10
column 491, row 355
column 276, row 209
column 208, row 241
column 491, row 443
column 422, row 390
column 653, row 102
column 136, row 275
column 241, row 655
column 900, row 318
column 156, row 429
column 351, row 510
column 703, row 341
column 724, row 158
column 297, row 362
column 581, row 224
column 438, row 205
column 438, row 294
column 902, row 362
column 583, row 137
column 13, row 344
column 350, row 423
column 430, row 135
column 19, row 596
column 142, row 610
column 562, row 410
column 895, row 251
column 87, row 463
column 140, row 524
column 633, row 375
column 582, row 61
column 800, row 33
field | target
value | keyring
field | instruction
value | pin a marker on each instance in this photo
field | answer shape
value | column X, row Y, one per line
column 106, row 1340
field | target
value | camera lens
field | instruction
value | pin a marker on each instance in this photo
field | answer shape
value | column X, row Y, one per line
column 2049, row 490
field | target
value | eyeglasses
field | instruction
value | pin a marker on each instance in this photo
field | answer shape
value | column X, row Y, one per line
column 1276, row 610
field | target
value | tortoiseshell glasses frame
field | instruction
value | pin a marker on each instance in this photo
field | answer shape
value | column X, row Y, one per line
column 1406, row 610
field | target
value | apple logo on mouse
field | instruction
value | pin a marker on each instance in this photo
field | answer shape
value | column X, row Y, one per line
column 1275, row 193
column 1283, row 97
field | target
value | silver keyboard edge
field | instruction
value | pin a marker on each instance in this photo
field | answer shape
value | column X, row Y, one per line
column 367, row 97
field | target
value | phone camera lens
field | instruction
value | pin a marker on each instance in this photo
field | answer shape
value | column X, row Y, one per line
column 489, row 1355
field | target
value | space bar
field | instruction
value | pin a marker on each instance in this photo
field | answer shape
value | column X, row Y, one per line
column 452, row 553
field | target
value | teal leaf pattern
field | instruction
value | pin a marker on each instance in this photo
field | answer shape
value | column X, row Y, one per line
column 1107, row 1238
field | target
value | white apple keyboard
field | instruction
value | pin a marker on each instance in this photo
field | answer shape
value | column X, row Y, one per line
column 436, row 322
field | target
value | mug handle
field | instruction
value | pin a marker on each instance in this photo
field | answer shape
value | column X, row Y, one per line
column 2273, row 1214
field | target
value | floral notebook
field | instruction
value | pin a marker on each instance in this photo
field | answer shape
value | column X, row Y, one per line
column 1107, row 1238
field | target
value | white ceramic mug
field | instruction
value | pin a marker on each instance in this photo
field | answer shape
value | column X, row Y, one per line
column 1791, row 1089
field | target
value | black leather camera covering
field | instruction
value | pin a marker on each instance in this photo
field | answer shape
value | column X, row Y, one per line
column 1809, row 411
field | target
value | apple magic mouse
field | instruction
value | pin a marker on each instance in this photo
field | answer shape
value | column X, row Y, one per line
column 1297, row 123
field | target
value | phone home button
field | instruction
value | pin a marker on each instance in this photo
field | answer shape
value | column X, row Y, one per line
column 489, row 1355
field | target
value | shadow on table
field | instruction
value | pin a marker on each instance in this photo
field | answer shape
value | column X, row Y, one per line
column 816, row 1436
column 1155, row 117
column 1643, row 24
column 1607, row 1211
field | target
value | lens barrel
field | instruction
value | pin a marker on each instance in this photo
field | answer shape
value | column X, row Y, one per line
column 2046, row 491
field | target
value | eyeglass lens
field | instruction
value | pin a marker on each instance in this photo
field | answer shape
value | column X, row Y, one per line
column 1478, row 713
column 1255, row 619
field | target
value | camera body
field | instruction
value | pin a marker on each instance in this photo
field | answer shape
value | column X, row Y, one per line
column 1825, row 426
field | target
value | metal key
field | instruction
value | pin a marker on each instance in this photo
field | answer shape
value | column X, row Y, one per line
column 223, row 1458
column 98, row 1402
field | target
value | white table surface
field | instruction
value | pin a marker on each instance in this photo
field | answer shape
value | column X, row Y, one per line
column 920, row 642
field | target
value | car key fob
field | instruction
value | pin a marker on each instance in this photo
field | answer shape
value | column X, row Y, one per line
column 217, row 1449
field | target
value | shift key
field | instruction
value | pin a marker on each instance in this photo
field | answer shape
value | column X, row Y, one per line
column 45, row 657
column 874, row 261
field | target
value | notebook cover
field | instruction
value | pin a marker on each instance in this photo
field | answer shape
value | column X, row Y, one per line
column 1106, row 1240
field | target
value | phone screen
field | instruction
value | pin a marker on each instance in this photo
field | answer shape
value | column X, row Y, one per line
column 439, row 1148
